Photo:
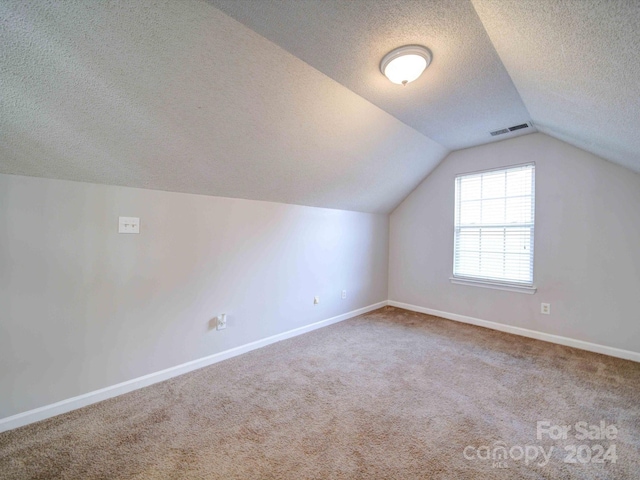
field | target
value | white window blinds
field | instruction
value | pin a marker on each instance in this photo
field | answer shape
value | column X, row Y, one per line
column 494, row 222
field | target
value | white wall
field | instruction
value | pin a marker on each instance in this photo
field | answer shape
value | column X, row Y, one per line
column 587, row 244
column 82, row 307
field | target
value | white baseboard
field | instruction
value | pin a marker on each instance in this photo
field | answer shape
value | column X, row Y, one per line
column 547, row 337
column 41, row 413
column 89, row 398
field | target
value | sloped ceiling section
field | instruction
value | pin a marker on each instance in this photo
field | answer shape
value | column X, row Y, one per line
column 576, row 64
column 178, row 96
column 464, row 95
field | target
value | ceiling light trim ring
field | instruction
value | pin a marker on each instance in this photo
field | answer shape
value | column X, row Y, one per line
column 396, row 53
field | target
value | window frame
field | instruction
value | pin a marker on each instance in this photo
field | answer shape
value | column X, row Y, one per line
column 513, row 286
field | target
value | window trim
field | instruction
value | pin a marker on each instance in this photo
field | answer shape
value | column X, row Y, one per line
column 509, row 287
column 519, row 287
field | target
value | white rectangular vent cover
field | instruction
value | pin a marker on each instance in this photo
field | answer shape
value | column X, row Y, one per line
column 509, row 129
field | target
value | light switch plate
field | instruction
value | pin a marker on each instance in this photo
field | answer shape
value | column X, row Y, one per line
column 129, row 225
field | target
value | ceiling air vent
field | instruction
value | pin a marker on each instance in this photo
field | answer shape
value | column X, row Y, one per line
column 518, row 127
column 510, row 129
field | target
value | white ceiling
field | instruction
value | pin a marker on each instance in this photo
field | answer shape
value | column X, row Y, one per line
column 464, row 94
column 576, row 64
column 179, row 96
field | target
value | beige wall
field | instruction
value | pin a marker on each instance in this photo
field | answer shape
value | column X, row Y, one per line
column 82, row 307
column 587, row 244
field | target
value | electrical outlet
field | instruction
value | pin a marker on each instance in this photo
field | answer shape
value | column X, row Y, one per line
column 545, row 308
column 316, row 300
column 222, row 322
column 344, row 294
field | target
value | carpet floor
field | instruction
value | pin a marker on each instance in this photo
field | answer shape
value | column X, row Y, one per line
column 391, row 394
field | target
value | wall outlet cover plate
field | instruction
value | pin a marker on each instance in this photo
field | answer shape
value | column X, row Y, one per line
column 128, row 225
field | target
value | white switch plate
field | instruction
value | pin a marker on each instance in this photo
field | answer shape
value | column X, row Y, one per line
column 316, row 300
column 545, row 308
column 128, row 225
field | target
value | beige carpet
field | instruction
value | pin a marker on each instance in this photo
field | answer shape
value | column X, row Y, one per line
column 388, row 395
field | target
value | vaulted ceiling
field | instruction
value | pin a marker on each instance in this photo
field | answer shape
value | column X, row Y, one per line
column 464, row 94
column 282, row 100
column 576, row 65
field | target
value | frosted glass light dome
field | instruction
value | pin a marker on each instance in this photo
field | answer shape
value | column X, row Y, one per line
column 405, row 64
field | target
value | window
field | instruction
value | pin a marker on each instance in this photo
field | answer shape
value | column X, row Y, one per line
column 494, row 222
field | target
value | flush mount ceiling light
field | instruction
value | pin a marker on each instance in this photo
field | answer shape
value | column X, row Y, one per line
column 405, row 64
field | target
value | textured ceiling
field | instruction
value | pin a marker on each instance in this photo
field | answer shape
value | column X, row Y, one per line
column 178, row 96
column 463, row 95
column 576, row 64
column 287, row 103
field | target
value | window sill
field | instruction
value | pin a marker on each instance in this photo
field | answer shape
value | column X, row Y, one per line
column 497, row 286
